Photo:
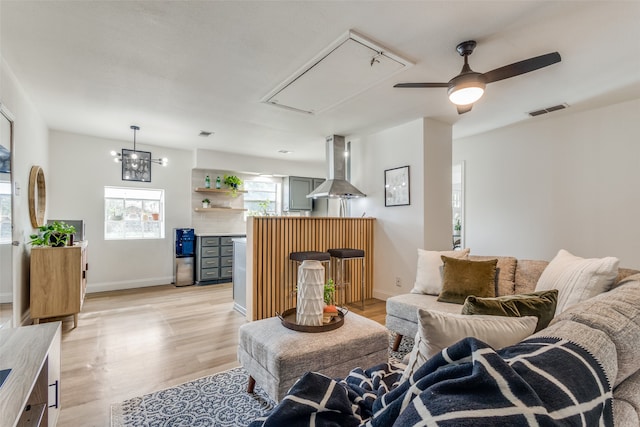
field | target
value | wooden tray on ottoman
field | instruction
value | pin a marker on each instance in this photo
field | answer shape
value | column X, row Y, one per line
column 288, row 319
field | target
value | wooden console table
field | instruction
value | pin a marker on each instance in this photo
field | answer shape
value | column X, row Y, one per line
column 271, row 276
column 58, row 281
column 30, row 395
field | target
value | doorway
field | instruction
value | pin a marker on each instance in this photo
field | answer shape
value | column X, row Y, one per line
column 457, row 205
column 6, row 222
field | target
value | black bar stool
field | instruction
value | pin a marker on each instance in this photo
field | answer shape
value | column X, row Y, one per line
column 299, row 257
column 342, row 255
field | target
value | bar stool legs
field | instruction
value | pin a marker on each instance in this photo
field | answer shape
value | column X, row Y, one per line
column 342, row 255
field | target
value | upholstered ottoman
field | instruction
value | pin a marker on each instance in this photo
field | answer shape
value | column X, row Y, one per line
column 276, row 357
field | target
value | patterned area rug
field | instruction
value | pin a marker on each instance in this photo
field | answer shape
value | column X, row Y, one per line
column 217, row 400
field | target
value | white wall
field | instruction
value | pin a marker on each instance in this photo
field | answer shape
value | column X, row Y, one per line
column 400, row 230
column 80, row 168
column 560, row 181
column 30, row 147
column 207, row 159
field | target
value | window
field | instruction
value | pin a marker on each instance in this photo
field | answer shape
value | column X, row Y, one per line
column 262, row 197
column 133, row 213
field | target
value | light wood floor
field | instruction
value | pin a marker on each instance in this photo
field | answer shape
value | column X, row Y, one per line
column 137, row 341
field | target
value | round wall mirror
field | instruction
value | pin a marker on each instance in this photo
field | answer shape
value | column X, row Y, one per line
column 37, row 196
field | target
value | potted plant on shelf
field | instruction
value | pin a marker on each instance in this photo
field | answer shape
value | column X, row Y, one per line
column 205, row 203
column 57, row 234
column 234, row 183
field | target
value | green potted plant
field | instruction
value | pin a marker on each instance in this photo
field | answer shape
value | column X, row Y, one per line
column 233, row 182
column 57, row 234
column 457, row 227
column 264, row 207
column 205, row 203
column 329, row 292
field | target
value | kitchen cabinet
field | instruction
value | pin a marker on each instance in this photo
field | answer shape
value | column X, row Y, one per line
column 30, row 395
column 58, row 281
column 214, row 258
column 295, row 191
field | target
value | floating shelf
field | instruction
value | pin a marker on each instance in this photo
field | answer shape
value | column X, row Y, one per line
column 215, row 190
column 218, row 209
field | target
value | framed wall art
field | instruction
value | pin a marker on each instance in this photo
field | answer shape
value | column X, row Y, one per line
column 396, row 186
column 138, row 167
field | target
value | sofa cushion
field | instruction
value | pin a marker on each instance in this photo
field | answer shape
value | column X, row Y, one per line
column 505, row 272
column 462, row 278
column 528, row 272
column 617, row 314
column 437, row 330
column 429, row 270
column 405, row 306
column 577, row 279
column 626, row 402
column 540, row 304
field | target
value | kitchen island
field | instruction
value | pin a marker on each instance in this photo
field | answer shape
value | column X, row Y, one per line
column 271, row 276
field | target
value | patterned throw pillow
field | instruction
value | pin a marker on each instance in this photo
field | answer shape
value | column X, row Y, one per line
column 540, row 304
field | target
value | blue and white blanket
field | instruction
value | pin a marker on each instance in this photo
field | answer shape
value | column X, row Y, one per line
column 539, row 382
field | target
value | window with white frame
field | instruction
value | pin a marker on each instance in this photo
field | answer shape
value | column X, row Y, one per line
column 133, row 213
column 262, row 196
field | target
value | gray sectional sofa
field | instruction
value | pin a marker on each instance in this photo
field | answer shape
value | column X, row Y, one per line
column 608, row 325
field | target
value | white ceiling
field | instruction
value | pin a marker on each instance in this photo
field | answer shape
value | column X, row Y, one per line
column 178, row 67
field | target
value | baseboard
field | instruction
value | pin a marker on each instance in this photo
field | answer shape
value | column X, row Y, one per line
column 26, row 318
column 128, row 284
column 240, row 309
column 382, row 295
column 6, row 297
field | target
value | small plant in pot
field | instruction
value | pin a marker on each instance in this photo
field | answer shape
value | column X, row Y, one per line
column 57, row 234
column 234, row 183
column 457, row 227
column 205, row 203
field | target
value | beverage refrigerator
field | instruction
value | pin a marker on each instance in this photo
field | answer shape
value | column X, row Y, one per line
column 183, row 256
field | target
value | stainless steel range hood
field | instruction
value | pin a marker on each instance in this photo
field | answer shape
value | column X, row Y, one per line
column 336, row 185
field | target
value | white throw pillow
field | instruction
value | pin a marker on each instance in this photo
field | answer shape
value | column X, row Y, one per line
column 429, row 270
column 438, row 330
column 577, row 279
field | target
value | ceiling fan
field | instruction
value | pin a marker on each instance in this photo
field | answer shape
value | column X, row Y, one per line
column 468, row 86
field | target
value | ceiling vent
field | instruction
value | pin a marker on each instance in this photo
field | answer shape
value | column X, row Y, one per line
column 548, row 109
column 347, row 67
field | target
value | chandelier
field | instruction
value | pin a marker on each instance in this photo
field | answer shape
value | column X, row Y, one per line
column 136, row 164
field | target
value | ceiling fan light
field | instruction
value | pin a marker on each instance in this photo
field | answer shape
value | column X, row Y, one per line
column 466, row 95
column 466, row 88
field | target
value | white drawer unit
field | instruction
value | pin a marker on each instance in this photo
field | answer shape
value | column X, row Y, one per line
column 214, row 259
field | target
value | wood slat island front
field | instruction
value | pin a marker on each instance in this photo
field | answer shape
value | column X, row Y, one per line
column 271, row 276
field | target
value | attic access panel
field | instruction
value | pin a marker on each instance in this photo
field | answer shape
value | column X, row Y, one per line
column 343, row 70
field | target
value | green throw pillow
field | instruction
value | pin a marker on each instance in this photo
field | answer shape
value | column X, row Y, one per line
column 541, row 304
column 462, row 277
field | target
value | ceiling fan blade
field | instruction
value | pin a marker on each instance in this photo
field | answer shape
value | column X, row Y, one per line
column 418, row 85
column 522, row 67
column 464, row 108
